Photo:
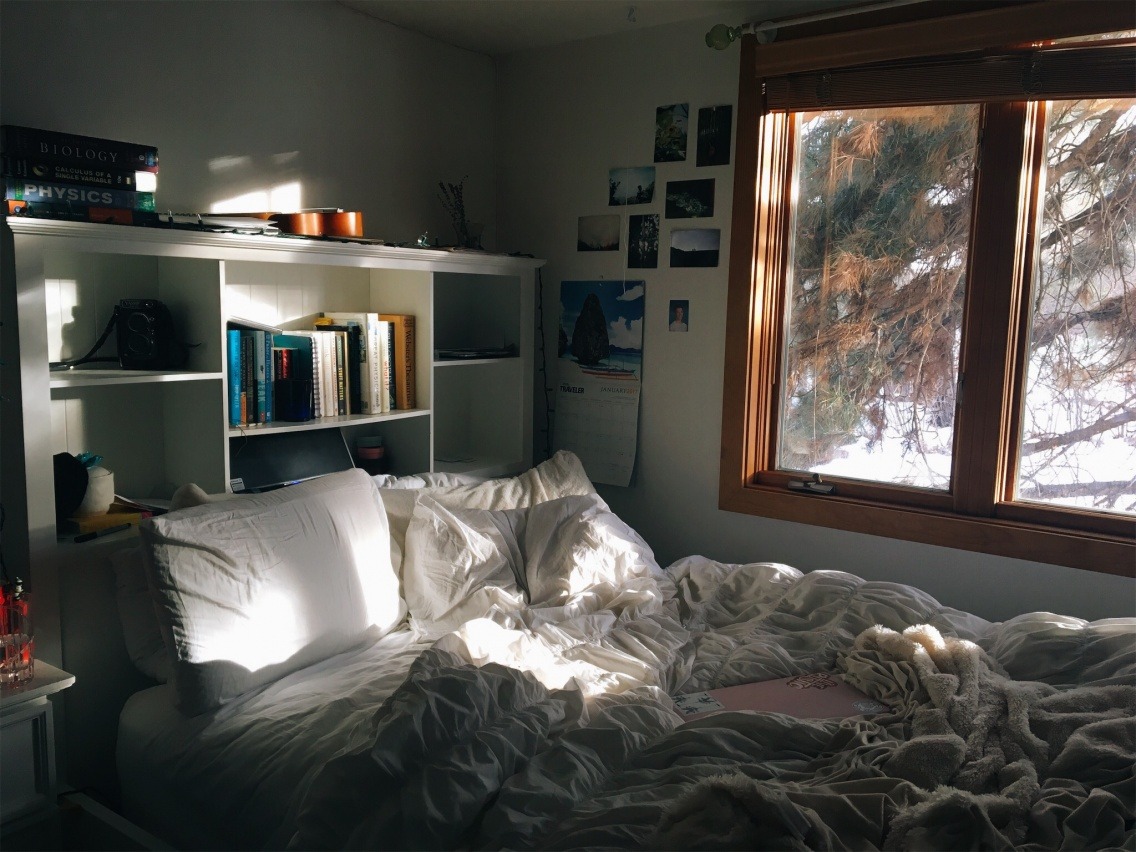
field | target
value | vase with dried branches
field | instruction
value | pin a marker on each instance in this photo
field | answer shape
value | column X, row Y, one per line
column 453, row 200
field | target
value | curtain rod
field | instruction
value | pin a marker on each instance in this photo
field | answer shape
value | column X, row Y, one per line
column 722, row 35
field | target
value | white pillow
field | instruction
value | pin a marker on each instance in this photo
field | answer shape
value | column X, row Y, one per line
column 460, row 556
column 560, row 476
column 578, row 545
column 249, row 590
column 141, row 629
column 426, row 480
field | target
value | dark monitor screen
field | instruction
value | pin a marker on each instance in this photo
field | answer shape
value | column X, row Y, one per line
column 267, row 461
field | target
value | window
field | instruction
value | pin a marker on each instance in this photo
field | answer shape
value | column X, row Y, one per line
column 932, row 328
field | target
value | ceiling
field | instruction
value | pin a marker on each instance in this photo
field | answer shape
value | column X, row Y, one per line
column 497, row 27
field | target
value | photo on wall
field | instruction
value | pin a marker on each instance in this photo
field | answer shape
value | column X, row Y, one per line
column 670, row 133
column 690, row 199
column 695, row 247
column 631, row 186
column 643, row 241
column 714, row 134
column 678, row 317
column 598, row 233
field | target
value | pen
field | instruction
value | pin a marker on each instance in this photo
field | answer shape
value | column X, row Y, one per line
column 90, row 536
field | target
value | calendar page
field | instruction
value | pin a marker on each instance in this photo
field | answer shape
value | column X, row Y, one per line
column 599, row 376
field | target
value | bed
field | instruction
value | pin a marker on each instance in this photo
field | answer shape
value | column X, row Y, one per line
column 496, row 667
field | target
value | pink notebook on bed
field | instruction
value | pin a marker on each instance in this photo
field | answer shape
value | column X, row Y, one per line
column 809, row 696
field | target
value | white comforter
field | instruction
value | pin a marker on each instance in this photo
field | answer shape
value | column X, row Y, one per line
column 551, row 727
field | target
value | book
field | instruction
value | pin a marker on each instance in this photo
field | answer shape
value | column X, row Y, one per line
column 16, row 140
column 308, row 358
column 233, row 363
column 306, row 344
column 252, row 325
column 295, row 350
column 318, row 390
column 262, row 341
column 403, row 334
column 342, row 382
column 378, row 340
column 21, row 189
column 79, row 212
column 248, row 380
column 329, row 406
column 117, row 515
column 355, row 366
column 388, row 364
column 32, row 168
column 817, row 695
column 357, row 324
column 283, row 362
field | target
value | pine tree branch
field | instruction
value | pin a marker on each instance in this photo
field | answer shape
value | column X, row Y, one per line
column 1082, row 434
column 1076, row 489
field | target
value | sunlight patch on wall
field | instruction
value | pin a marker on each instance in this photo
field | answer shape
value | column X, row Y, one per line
column 285, row 198
column 62, row 296
column 225, row 164
column 252, row 303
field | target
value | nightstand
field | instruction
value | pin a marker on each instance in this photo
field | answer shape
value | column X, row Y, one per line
column 27, row 744
column 80, row 824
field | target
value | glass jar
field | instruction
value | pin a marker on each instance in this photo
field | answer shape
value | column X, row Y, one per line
column 16, row 657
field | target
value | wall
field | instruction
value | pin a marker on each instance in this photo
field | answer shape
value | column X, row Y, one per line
column 238, row 97
column 568, row 114
column 243, row 96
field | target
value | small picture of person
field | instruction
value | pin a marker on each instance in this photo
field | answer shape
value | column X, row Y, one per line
column 679, row 312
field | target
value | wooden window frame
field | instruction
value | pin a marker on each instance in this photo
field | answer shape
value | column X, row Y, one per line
column 977, row 514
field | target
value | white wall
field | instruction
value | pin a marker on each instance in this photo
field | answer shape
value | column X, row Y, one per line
column 376, row 116
column 567, row 115
column 365, row 115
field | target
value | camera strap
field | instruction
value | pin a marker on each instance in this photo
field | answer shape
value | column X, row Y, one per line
column 90, row 356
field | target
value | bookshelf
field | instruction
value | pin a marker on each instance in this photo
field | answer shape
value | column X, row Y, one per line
column 159, row 429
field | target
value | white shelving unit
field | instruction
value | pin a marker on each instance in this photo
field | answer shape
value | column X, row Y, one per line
column 157, row 430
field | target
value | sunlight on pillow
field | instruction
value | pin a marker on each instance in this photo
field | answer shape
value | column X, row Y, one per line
column 249, row 590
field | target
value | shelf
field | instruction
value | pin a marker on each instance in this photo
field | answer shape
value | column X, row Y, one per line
column 47, row 680
column 180, row 242
column 99, row 378
column 463, row 362
column 479, row 466
column 323, row 423
column 119, row 538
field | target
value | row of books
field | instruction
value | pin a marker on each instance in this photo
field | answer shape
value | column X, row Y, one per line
column 325, row 365
column 64, row 175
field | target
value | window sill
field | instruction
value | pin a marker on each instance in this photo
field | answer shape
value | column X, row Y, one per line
column 1091, row 552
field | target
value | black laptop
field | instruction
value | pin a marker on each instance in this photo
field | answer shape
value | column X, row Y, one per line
column 267, row 461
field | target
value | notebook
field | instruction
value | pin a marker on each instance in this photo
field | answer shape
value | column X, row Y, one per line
column 816, row 695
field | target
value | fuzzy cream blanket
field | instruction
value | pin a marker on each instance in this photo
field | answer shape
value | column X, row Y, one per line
column 981, row 761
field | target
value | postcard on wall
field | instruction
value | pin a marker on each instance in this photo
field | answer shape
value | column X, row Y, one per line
column 670, row 133
column 631, row 186
column 599, row 373
column 690, row 199
column 643, row 241
column 679, row 315
column 714, row 124
column 695, row 247
column 598, row 233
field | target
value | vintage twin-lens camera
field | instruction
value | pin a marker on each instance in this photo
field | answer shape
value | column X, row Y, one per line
column 147, row 339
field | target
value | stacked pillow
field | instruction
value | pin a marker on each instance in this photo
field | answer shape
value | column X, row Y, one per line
column 226, row 594
column 463, row 563
column 562, row 475
column 249, row 590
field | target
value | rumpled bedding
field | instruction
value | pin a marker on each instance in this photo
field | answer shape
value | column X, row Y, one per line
column 551, row 727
